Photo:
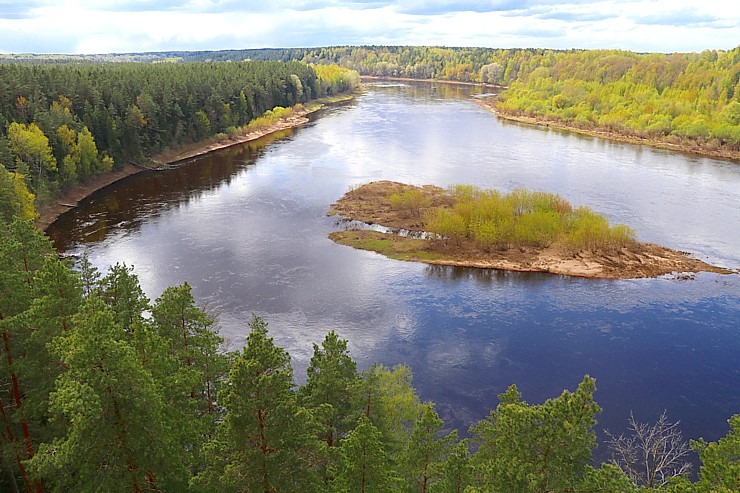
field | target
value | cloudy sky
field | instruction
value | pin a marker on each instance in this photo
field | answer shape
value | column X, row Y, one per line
column 108, row 26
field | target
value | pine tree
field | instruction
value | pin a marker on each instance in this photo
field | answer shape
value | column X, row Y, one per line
column 720, row 461
column 537, row 448
column 333, row 380
column 456, row 471
column 22, row 252
column 189, row 364
column 265, row 442
column 426, row 451
column 117, row 437
column 363, row 464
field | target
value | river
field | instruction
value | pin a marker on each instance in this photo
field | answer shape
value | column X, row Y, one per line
column 246, row 227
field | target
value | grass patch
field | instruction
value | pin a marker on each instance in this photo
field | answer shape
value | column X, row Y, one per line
column 392, row 246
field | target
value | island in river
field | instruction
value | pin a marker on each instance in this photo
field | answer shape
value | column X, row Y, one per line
column 372, row 204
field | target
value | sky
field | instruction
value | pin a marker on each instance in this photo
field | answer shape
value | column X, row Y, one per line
column 117, row 26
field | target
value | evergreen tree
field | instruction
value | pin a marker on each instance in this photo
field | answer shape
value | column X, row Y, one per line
column 720, row 461
column 22, row 252
column 363, row 464
column 426, row 451
column 456, row 471
column 333, row 380
column 117, row 437
column 265, row 442
column 189, row 364
column 122, row 292
column 537, row 448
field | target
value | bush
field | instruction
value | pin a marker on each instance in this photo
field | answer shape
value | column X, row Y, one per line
column 410, row 201
column 520, row 218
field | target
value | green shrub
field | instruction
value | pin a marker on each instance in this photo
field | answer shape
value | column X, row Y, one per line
column 520, row 218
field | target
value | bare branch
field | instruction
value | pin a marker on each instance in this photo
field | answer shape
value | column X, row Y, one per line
column 651, row 454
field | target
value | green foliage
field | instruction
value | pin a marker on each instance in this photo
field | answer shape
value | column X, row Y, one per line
column 410, row 202
column 264, row 442
column 425, row 453
column 363, row 463
column 677, row 98
column 536, row 448
column 332, row 381
column 391, row 403
column 720, row 469
column 333, row 79
column 112, row 411
column 120, row 289
column 607, row 479
column 15, row 199
column 32, row 151
column 190, row 364
column 522, row 218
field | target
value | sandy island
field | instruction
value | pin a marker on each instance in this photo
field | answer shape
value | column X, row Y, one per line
column 49, row 213
column 370, row 204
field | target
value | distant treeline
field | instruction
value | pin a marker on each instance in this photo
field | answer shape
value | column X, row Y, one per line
column 105, row 390
column 679, row 98
column 61, row 123
column 66, row 117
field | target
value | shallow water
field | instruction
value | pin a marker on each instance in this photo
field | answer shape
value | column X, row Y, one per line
column 246, row 227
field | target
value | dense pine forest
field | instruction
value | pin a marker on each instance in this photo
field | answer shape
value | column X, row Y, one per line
column 62, row 123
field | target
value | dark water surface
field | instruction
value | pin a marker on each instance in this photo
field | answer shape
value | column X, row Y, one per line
column 247, row 229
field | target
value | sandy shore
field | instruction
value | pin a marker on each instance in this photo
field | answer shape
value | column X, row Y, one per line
column 370, row 204
column 73, row 196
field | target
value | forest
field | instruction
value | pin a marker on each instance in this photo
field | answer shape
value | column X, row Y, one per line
column 681, row 99
column 61, row 123
column 106, row 390
column 66, row 118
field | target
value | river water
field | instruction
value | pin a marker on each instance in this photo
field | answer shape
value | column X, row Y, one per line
column 246, row 227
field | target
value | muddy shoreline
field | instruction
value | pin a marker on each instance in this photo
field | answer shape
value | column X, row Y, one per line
column 71, row 198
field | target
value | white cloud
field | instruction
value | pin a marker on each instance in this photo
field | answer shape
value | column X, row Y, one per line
column 86, row 26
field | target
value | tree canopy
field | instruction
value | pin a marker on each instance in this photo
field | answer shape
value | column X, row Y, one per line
column 104, row 389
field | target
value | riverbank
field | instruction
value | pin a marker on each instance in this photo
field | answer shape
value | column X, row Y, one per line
column 68, row 200
column 694, row 149
column 488, row 103
column 370, row 204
